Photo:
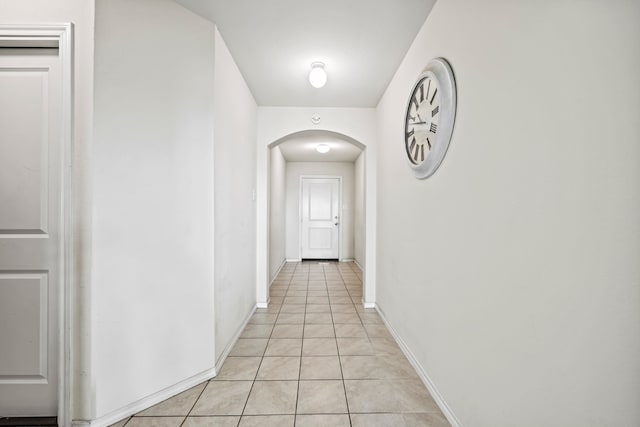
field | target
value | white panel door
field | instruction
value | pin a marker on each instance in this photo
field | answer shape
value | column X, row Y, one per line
column 320, row 218
column 31, row 230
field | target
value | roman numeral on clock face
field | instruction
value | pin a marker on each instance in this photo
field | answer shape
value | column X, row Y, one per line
column 435, row 110
column 434, row 96
column 410, row 133
column 434, row 128
column 416, row 152
column 421, row 92
column 414, row 101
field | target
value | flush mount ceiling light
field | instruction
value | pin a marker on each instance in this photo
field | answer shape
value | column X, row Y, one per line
column 317, row 76
column 322, row 148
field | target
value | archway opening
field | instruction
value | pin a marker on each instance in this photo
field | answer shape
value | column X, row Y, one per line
column 290, row 160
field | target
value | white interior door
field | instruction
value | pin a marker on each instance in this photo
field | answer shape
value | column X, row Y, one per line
column 31, row 230
column 320, row 212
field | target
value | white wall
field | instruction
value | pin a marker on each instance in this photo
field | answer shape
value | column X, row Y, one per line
column 275, row 123
column 297, row 169
column 277, row 212
column 153, row 200
column 81, row 14
column 235, row 214
column 512, row 274
column 359, row 235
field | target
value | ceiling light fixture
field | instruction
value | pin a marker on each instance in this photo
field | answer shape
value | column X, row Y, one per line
column 323, row 148
column 317, row 75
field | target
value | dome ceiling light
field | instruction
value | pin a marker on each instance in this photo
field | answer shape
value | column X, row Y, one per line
column 323, row 148
column 317, row 75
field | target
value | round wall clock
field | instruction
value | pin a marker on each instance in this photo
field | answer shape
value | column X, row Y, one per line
column 431, row 112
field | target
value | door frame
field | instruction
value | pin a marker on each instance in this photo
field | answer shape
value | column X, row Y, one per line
column 60, row 35
column 302, row 178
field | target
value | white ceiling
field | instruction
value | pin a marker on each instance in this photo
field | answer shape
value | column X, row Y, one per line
column 302, row 148
column 274, row 43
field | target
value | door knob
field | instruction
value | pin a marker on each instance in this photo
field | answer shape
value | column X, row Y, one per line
column 336, row 223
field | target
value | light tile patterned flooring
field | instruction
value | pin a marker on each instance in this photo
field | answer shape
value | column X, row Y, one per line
column 315, row 357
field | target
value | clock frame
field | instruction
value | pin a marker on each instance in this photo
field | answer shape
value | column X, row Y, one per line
column 429, row 118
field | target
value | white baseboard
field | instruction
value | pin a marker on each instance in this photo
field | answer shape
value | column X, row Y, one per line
column 347, row 260
column 263, row 304
column 369, row 304
column 284, row 262
column 228, row 348
column 355, row 261
column 446, row 410
column 147, row 402
column 294, row 260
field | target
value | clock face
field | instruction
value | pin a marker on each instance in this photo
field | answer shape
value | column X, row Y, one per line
column 429, row 118
column 421, row 123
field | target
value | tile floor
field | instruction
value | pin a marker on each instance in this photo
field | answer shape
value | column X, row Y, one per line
column 315, row 357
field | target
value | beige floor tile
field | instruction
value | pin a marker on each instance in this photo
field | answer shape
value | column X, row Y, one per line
column 398, row 420
column 317, row 300
column 267, row 421
column 318, row 318
column 155, row 421
column 271, row 309
column 362, row 368
column 263, row 318
column 295, row 300
column 350, row 330
column 343, row 308
column 256, row 331
column 377, row 331
column 319, row 347
column 321, row 397
column 287, row 331
column 272, row 397
column 292, row 308
column 341, row 420
column 385, row 346
column 318, row 308
column 290, row 318
column 239, row 368
column 315, row 292
column 346, row 318
column 341, row 300
column 320, row 368
column 371, row 396
column 279, row 368
column 179, row 404
column 297, row 293
column 355, row 347
column 276, row 300
column 249, row 347
column 211, row 422
column 223, row 398
column 318, row 331
column 284, row 347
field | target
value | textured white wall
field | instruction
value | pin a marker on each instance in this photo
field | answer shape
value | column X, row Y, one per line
column 277, row 212
column 153, row 199
column 512, row 273
column 235, row 212
column 359, row 235
column 294, row 171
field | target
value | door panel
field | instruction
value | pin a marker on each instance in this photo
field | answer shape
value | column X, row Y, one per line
column 31, row 167
column 320, row 211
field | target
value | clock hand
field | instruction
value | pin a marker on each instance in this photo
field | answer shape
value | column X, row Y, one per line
column 418, row 123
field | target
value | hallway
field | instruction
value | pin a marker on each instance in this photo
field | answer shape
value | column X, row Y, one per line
column 315, row 357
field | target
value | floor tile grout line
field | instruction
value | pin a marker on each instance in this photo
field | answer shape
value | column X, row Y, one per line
column 196, row 401
column 344, row 387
